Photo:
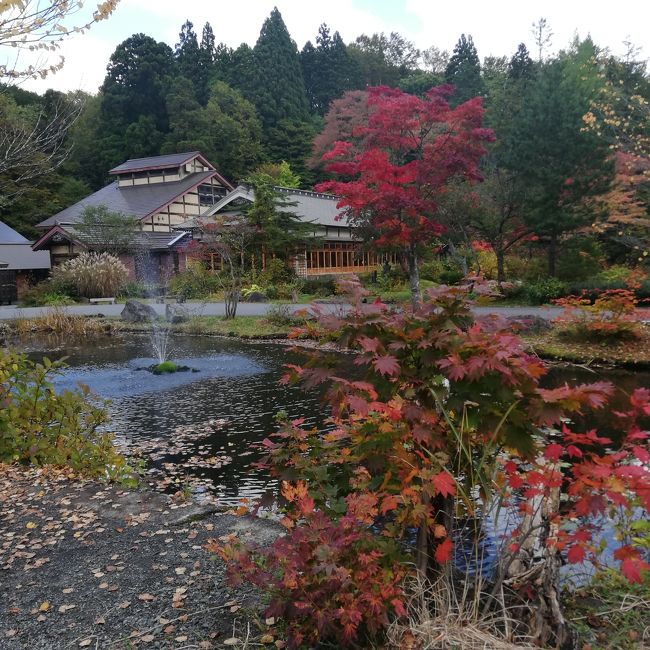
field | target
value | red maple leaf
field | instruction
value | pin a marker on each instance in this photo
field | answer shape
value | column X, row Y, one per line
column 444, row 484
column 443, row 551
column 576, row 554
column 386, row 365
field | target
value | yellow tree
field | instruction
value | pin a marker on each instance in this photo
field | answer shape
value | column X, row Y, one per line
column 36, row 26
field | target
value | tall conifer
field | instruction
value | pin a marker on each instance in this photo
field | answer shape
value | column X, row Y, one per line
column 464, row 70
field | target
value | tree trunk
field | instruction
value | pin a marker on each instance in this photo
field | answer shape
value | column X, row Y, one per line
column 414, row 276
column 501, row 272
column 552, row 255
column 231, row 300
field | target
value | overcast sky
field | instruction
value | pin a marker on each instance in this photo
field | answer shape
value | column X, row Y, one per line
column 497, row 27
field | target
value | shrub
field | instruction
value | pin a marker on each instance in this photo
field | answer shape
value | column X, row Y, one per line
column 614, row 273
column 544, row 290
column 284, row 316
column 48, row 292
column 93, row 275
column 195, row 282
column 136, row 289
column 611, row 318
column 40, row 426
column 451, row 275
column 438, row 410
column 322, row 287
column 276, row 272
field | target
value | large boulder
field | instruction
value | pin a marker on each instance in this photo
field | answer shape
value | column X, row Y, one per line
column 256, row 296
column 176, row 313
column 138, row 312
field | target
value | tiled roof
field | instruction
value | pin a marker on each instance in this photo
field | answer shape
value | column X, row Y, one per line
column 312, row 207
column 138, row 201
column 156, row 162
column 142, row 240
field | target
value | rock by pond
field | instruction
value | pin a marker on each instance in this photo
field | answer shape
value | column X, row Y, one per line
column 138, row 312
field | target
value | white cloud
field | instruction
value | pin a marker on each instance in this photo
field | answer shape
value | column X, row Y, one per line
column 498, row 27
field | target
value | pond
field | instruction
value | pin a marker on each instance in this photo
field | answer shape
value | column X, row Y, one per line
column 213, row 415
column 236, row 389
column 196, row 430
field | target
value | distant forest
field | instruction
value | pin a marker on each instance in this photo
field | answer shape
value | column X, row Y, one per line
column 246, row 106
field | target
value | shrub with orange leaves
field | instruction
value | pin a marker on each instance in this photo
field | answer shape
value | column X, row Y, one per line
column 444, row 416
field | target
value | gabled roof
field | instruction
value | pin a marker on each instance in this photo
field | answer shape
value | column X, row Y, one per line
column 312, row 207
column 142, row 240
column 159, row 162
column 139, row 201
column 16, row 252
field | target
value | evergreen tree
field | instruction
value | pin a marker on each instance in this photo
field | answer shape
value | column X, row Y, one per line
column 207, row 53
column 135, row 86
column 561, row 162
column 327, row 69
column 280, row 89
column 227, row 130
column 464, row 71
column 188, row 57
column 278, row 230
column 521, row 65
column 208, row 49
column 279, row 94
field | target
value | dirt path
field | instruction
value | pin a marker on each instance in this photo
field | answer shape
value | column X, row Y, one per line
column 83, row 564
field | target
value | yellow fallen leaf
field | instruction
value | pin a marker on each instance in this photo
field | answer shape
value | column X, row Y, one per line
column 30, row 525
column 267, row 639
column 45, row 605
column 146, row 597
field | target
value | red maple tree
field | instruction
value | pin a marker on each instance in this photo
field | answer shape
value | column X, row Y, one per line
column 396, row 169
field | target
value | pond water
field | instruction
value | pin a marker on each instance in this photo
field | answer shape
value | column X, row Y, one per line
column 229, row 403
column 197, row 429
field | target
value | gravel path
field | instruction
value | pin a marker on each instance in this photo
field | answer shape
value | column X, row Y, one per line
column 83, row 564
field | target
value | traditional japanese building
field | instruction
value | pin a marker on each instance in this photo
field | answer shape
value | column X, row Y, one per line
column 172, row 196
column 335, row 251
column 19, row 264
column 161, row 192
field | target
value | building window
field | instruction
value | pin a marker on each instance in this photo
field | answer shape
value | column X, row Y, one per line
column 210, row 194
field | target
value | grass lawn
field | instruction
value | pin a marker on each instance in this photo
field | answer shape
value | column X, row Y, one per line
column 610, row 612
column 632, row 353
column 242, row 326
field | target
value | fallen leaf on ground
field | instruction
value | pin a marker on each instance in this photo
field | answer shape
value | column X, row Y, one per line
column 64, row 608
column 146, row 597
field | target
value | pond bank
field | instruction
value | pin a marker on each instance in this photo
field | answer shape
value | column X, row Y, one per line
column 84, row 564
column 630, row 355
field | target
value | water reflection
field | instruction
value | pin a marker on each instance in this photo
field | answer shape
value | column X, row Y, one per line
column 236, row 382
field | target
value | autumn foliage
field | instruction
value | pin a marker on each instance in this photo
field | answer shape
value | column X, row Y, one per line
column 394, row 170
column 436, row 419
column 612, row 316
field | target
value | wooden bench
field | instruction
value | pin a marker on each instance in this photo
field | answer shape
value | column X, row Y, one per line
column 101, row 301
column 167, row 298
